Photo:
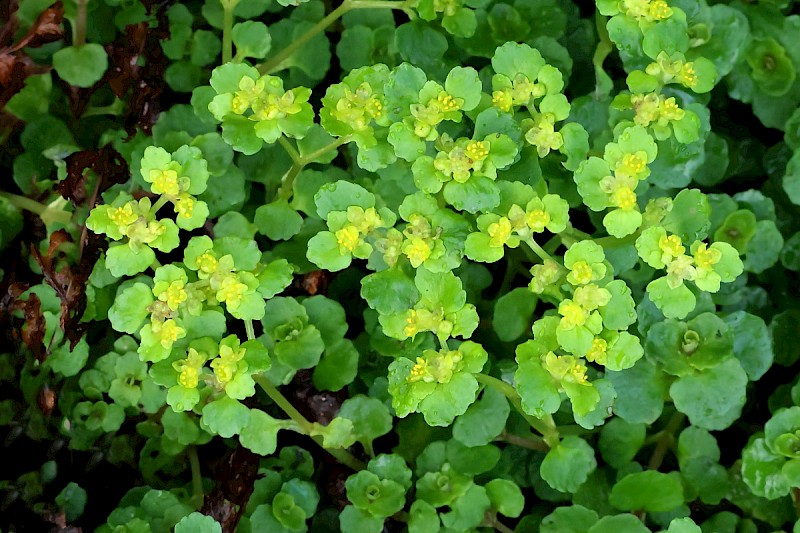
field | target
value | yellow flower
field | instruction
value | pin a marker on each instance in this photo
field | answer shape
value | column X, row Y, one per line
column 598, row 352
column 670, row 110
column 447, row 103
column 632, row 165
column 206, row 263
column 687, row 75
column 705, row 257
column 189, row 369
column 164, row 182
column 671, row 247
column 419, row 372
column 374, row 107
column 477, row 150
column 347, row 238
column 122, row 216
column 582, row 273
column 573, row 314
column 659, row 10
column 231, row 292
column 249, row 91
column 499, row 232
column 412, row 323
column 184, row 206
column 502, row 99
column 417, row 250
column 537, row 220
column 624, row 198
column 168, row 331
column 175, row 294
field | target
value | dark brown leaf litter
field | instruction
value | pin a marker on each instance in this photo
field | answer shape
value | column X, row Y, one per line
column 107, row 164
column 235, row 477
column 15, row 65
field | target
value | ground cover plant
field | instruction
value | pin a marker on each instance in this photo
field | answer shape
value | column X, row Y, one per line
column 400, row 265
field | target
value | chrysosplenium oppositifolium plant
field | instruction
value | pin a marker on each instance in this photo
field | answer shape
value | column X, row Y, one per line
column 494, row 265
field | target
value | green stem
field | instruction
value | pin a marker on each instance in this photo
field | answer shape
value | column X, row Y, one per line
column 539, row 251
column 532, row 443
column 613, row 242
column 546, row 426
column 796, row 500
column 79, row 28
column 490, row 520
column 197, row 479
column 287, row 181
column 343, row 456
column 227, row 29
column 274, row 63
column 47, row 213
column 333, row 145
column 666, row 438
column 299, row 163
column 156, row 264
column 306, row 427
column 291, row 150
column 603, row 83
column 283, row 403
column 248, row 327
column 162, row 200
column 114, row 109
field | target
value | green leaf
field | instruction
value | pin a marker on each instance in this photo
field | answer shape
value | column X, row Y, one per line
column 649, row 491
column 626, row 523
column 288, row 513
column 762, row 470
column 484, row 420
column 323, row 250
column 370, row 417
column 619, row 312
column 512, row 59
column 338, row 366
column 449, row 400
column 600, row 409
column 752, row 343
column 260, row 435
column 713, row 399
column 389, row 291
column 513, row 313
column 468, row 510
column 121, row 260
column 251, row 39
column 278, row 221
column 381, row 498
column 640, row 392
column 689, row 216
column 340, row 195
column 130, row 308
column 81, row 66
column 675, row 302
column 463, row 82
column 423, row 518
column 360, row 521
column 506, row 497
column 479, row 193
column 535, row 385
column 569, row 519
column 225, row 417
column 197, row 523
column 620, row 441
column 391, row 466
column 569, row 464
column 72, row 499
